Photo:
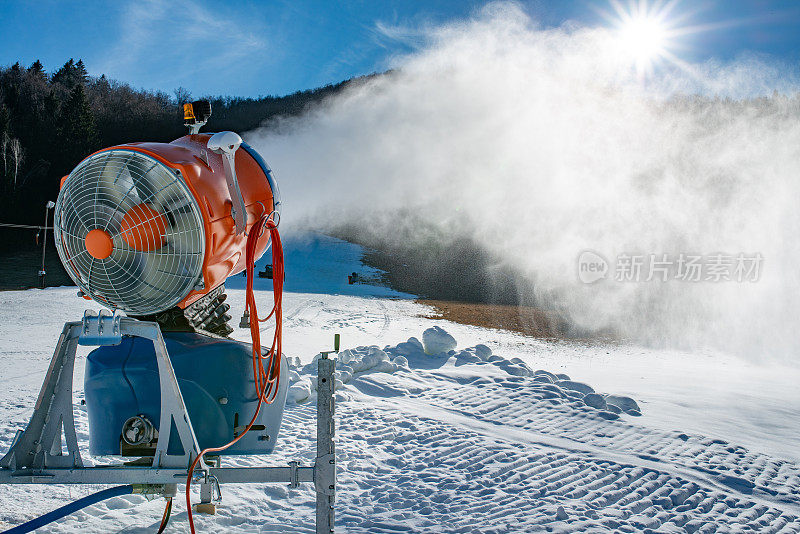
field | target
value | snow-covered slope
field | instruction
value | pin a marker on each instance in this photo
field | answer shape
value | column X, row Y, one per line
column 482, row 435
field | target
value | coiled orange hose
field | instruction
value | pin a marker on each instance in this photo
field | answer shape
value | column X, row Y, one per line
column 267, row 381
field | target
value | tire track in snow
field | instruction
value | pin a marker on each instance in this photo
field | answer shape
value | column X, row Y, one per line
column 501, row 431
column 405, row 470
column 387, row 320
column 517, row 405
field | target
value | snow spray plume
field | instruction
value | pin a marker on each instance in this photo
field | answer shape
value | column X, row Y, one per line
column 539, row 144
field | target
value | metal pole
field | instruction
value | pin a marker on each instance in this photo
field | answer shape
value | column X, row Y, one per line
column 42, row 273
column 325, row 466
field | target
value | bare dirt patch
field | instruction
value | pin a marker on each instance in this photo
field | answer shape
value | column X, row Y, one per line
column 525, row 320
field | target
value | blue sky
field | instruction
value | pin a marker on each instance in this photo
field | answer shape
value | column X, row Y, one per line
column 252, row 48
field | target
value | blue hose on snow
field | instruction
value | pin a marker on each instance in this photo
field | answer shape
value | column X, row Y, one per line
column 67, row 509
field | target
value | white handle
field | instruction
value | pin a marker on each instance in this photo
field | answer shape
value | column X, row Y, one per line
column 227, row 143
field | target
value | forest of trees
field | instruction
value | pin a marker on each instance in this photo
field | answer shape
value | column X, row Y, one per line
column 50, row 122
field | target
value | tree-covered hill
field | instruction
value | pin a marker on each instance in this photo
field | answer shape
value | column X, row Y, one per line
column 51, row 121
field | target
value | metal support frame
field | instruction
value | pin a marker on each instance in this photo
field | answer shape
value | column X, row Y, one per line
column 46, row 452
column 325, row 466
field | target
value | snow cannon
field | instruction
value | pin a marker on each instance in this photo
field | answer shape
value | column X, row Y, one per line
column 145, row 227
column 151, row 231
column 154, row 230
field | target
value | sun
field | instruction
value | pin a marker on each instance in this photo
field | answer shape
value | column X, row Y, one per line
column 644, row 34
column 643, row 38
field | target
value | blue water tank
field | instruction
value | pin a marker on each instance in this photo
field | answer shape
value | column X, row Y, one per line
column 215, row 377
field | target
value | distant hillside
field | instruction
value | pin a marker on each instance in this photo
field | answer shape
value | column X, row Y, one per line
column 49, row 122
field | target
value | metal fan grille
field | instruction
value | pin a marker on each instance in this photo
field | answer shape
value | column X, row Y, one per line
column 100, row 193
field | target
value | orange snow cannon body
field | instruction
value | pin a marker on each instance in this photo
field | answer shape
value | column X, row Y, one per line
column 162, row 225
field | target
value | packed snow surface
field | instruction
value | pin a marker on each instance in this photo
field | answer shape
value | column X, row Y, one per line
column 453, row 428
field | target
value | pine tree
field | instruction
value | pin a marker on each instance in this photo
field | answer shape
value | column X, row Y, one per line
column 80, row 71
column 37, row 69
column 69, row 75
column 78, row 127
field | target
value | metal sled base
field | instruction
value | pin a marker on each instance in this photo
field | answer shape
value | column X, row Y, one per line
column 46, row 452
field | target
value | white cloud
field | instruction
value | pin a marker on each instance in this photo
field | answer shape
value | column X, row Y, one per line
column 413, row 36
column 163, row 43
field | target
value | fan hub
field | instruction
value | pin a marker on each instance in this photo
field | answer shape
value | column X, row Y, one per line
column 99, row 244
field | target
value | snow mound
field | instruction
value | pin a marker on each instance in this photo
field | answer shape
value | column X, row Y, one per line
column 626, row 404
column 436, row 341
column 580, row 387
column 358, row 370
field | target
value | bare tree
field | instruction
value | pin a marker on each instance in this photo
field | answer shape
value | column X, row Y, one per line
column 182, row 96
column 17, row 155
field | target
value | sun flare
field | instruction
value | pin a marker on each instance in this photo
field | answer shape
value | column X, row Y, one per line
column 645, row 34
column 644, row 38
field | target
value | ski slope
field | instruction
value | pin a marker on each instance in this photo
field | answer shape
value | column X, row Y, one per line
column 487, row 431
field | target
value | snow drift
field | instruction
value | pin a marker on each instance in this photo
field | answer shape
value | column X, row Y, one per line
column 438, row 349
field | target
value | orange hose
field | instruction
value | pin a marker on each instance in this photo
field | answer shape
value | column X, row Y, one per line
column 267, row 381
column 165, row 517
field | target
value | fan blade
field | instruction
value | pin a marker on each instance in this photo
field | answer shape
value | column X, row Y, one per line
column 149, row 276
column 181, row 235
column 116, row 183
column 117, row 193
column 149, row 177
